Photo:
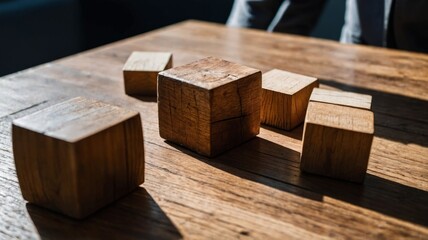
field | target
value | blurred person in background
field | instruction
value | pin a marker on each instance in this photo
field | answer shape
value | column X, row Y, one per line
column 399, row 24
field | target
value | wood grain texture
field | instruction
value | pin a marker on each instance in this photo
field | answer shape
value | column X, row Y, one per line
column 78, row 156
column 254, row 191
column 349, row 99
column 285, row 97
column 141, row 70
column 337, row 141
column 210, row 105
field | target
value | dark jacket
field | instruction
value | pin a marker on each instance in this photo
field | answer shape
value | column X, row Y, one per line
column 400, row 24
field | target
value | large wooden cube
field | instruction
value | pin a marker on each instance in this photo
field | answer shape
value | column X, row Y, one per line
column 210, row 105
column 337, row 141
column 141, row 70
column 349, row 99
column 77, row 156
column 285, row 97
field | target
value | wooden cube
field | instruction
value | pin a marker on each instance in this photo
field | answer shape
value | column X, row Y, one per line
column 337, row 141
column 285, row 97
column 78, row 156
column 349, row 99
column 141, row 70
column 210, row 105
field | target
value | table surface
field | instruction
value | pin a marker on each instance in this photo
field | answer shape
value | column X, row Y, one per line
column 255, row 190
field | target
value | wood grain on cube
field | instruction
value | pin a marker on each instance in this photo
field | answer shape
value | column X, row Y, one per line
column 285, row 97
column 210, row 105
column 349, row 99
column 337, row 141
column 141, row 70
column 77, row 156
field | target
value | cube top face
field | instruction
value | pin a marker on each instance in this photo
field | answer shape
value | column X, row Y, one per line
column 209, row 73
column 147, row 61
column 74, row 119
column 340, row 117
column 349, row 99
column 285, row 82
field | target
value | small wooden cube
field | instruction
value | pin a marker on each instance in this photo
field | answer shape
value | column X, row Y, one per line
column 210, row 105
column 349, row 99
column 337, row 141
column 285, row 97
column 141, row 70
column 78, row 156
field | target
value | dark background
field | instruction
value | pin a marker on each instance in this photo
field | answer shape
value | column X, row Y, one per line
column 37, row 31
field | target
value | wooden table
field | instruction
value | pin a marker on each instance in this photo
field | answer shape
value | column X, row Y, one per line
column 255, row 190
